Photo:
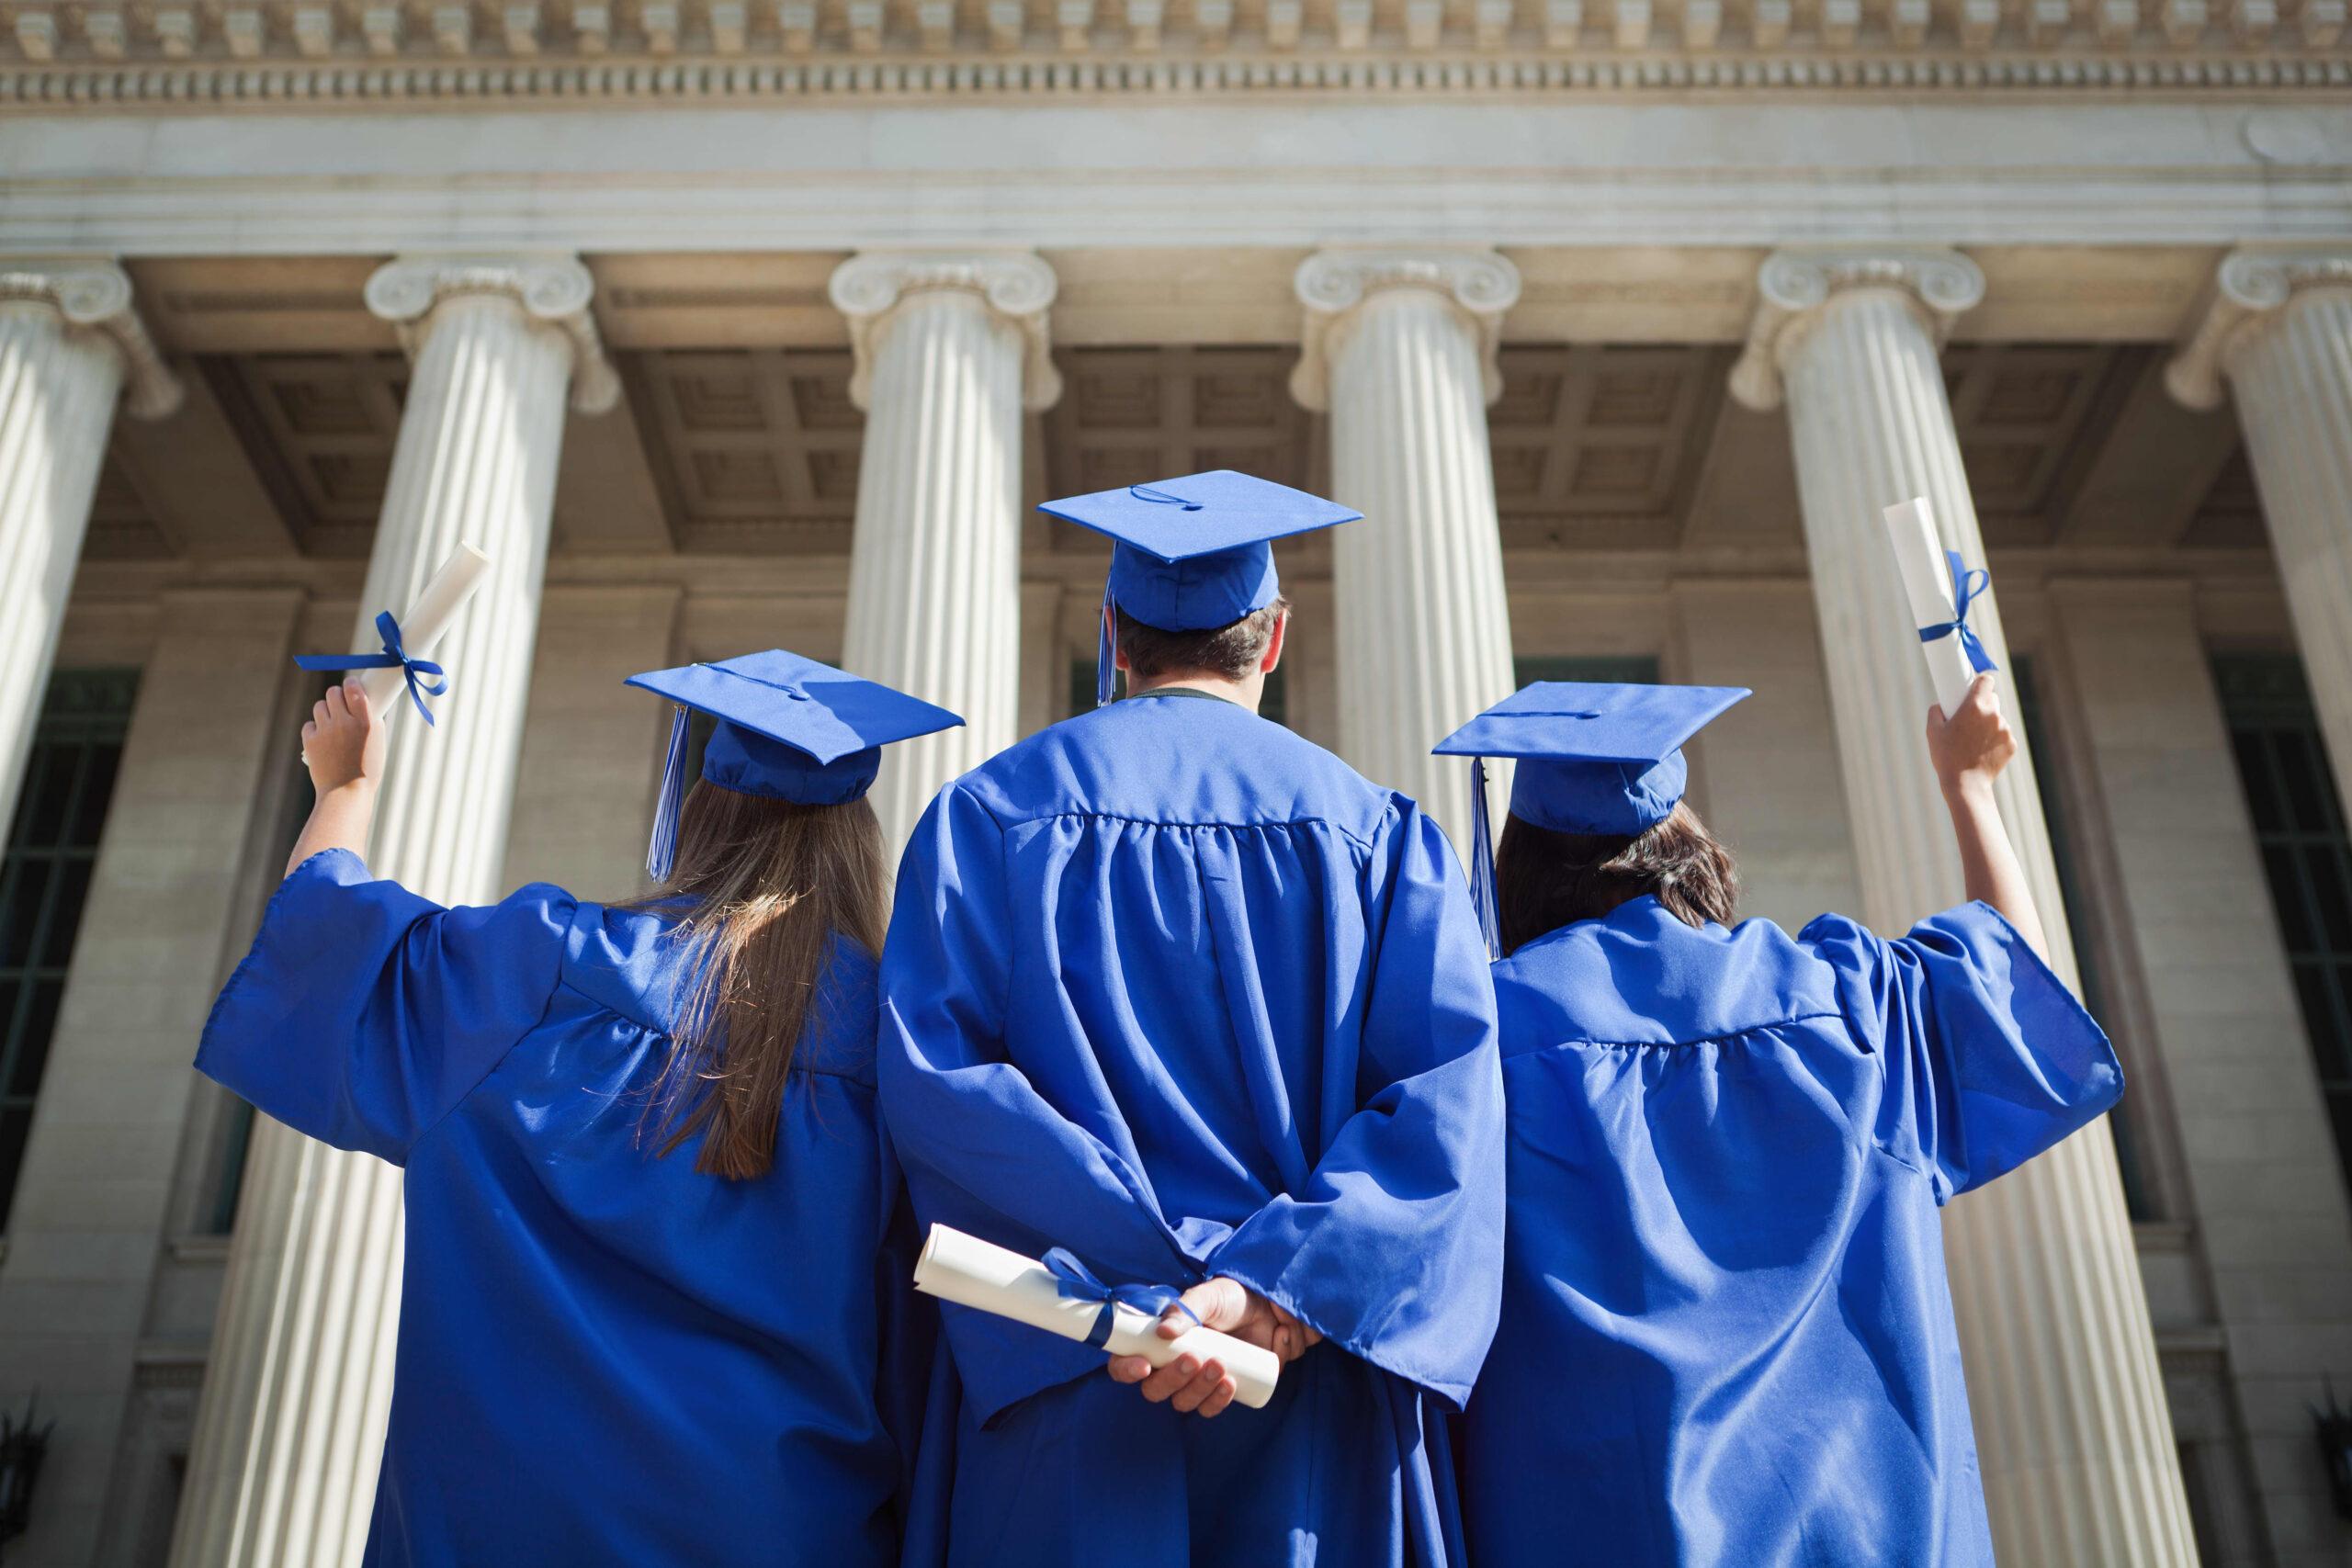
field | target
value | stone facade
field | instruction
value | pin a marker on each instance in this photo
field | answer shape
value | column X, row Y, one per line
column 1620, row 318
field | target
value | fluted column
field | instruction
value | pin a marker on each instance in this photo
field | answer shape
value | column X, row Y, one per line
column 291, row 1425
column 2279, row 332
column 951, row 349
column 2072, row 1433
column 1400, row 351
column 71, row 344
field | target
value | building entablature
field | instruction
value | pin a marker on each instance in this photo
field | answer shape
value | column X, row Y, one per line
column 283, row 54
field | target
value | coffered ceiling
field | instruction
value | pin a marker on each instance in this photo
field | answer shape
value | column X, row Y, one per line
column 1598, row 445
column 753, row 450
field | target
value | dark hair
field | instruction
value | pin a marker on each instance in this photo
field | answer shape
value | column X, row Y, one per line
column 773, row 884
column 1546, row 880
column 1232, row 650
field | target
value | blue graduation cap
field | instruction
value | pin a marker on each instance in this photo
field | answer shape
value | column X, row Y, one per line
column 1192, row 553
column 789, row 728
column 1593, row 758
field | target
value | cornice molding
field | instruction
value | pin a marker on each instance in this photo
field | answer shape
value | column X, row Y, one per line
column 1480, row 283
column 1016, row 285
column 272, row 83
column 94, row 296
column 2251, row 293
column 1794, row 285
column 555, row 290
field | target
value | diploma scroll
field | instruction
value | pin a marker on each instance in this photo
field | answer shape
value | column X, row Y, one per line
column 1926, row 579
column 428, row 619
column 974, row 1273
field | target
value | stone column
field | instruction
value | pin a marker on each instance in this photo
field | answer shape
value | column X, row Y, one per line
column 291, row 1426
column 2277, row 331
column 951, row 349
column 1400, row 351
column 71, row 345
column 2074, row 1436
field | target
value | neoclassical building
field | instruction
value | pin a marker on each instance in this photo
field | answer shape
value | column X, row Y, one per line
column 723, row 325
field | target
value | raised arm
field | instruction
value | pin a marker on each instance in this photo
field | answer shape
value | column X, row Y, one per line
column 1969, row 751
column 344, row 747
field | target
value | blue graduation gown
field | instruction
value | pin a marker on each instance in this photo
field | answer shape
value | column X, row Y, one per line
column 1727, row 1334
column 603, row 1357
column 1175, row 989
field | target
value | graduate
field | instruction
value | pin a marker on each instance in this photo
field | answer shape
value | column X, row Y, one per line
column 654, row 1308
column 1172, row 988
column 1726, row 1338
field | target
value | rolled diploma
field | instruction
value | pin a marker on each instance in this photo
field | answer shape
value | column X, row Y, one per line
column 975, row 1273
column 427, row 618
column 1927, row 578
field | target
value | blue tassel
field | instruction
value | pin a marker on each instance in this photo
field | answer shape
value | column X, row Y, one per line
column 1482, row 862
column 662, row 852
column 1106, row 664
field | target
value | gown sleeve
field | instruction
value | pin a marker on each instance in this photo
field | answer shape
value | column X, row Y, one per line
column 1393, row 1249
column 1989, row 1059
column 364, row 1013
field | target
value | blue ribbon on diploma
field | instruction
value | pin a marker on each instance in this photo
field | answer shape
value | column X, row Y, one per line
column 1965, row 587
column 394, row 656
column 1079, row 1284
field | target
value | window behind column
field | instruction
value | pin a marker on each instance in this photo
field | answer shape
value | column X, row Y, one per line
column 2306, row 857
column 44, row 878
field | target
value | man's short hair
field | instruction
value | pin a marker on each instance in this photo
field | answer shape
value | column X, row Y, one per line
column 1231, row 652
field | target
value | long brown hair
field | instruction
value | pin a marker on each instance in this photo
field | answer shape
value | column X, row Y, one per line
column 1546, row 880
column 770, row 885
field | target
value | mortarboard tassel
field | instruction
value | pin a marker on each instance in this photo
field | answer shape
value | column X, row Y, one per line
column 1482, row 862
column 662, row 852
column 1106, row 665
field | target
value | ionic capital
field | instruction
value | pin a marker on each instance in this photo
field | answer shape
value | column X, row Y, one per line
column 550, row 289
column 1796, row 286
column 2254, row 292
column 1016, row 285
column 94, row 296
column 1475, row 282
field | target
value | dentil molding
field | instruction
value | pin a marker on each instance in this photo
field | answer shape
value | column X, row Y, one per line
column 94, row 296
column 2252, row 290
column 1016, row 285
column 1478, row 283
column 282, row 85
column 555, row 290
column 1795, row 284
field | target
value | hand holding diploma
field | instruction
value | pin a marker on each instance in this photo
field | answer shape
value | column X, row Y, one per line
column 407, row 637
column 974, row 1273
column 1204, row 1387
column 342, row 745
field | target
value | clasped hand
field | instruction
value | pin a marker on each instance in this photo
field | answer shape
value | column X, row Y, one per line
column 1199, row 1386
